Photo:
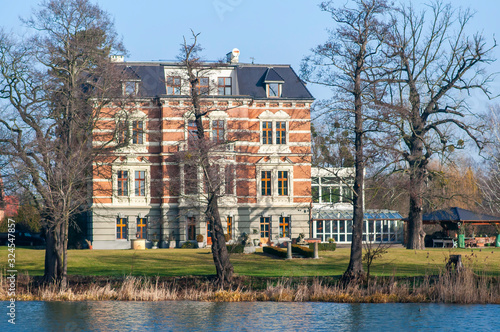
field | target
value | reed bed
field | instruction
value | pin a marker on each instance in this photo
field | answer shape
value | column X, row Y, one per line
column 447, row 287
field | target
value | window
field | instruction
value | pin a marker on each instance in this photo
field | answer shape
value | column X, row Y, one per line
column 140, row 183
column 121, row 132
column 192, row 132
column 230, row 227
column 218, row 131
column 284, row 226
column 121, row 228
column 202, row 86
column 264, row 226
column 229, row 179
column 141, row 228
column 129, row 88
column 137, row 132
column 328, row 189
column 280, row 132
column 266, row 183
column 274, row 90
column 373, row 230
column 209, row 232
column 224, row 86
column 130, row 132
column 315, row 194
column 191, row 228
column 282, row 183
column 267, row 132
column 122, row 183
column 190, row 179
column 173, row 85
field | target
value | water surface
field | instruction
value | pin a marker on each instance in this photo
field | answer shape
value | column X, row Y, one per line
column 248, row 316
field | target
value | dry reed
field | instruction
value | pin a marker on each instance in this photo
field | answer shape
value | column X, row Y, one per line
column 447, row 287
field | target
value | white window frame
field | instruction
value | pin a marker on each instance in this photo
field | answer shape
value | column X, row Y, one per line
column 136, row 87
column 274, row 164
column 279, row 116
column 131, row 165
column 129, row 119
column 280, row 88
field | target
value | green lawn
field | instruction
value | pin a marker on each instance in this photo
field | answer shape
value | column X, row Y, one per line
column 180, row 262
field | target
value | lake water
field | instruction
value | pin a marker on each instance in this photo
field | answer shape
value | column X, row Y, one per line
column 248, row 316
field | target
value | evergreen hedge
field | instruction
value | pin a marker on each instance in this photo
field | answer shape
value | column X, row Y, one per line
column 302, row 251
column 324, row 246
column 235, row 248
column 275, row 251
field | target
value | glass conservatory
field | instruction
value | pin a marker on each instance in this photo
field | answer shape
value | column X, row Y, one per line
column 378, row 226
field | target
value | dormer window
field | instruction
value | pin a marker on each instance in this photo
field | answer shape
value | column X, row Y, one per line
column 224, row 86
column 173, row 85
column 274, row 90
column 130, row 88
column 274, row 83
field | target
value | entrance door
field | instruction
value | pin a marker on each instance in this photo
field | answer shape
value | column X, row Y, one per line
column 265, row 224
column 209, row 233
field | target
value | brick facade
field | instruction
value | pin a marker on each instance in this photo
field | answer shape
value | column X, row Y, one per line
column 260, row 112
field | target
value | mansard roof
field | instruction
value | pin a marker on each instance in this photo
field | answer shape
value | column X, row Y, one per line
column 250, row 79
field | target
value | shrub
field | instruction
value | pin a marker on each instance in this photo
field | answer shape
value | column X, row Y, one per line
column 306, row 252
column 275, row 251
column 187, row 245
column 324, row 246
column 235, row 248
column 199, row 238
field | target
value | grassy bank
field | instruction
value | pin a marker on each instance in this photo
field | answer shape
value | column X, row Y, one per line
column 464, row 288
column 185, row 274
column 397, row 262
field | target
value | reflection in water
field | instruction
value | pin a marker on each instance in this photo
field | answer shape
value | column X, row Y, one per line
column 247, row 316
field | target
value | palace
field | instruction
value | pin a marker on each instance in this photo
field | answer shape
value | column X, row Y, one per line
column 260, row 112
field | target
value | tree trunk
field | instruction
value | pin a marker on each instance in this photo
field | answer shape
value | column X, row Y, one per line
column 416, row 233
column 64, row 277
column 220, row 254
column 53, row 255
column 355, row 271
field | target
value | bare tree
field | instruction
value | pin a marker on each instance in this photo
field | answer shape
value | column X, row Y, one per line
column 344, row 63
column 422, row 94
column 490, row 181
column 54, row 87
column 203, row 152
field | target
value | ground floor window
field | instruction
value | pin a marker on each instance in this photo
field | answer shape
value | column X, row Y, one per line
column 264, row 227
column 121, row 228
column 141, row 228
column 230, row 227
column 191, row 229
column 373, row 230
column 284, row 226
column 209, row 232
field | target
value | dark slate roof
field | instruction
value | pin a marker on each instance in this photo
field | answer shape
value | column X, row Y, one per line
column 273, row 77
column 130, row 74
column 250, row 79
column 251, row 82
column 456, row 214
column 152, row 80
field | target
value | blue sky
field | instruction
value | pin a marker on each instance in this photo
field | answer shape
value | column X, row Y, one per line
column 270, row 31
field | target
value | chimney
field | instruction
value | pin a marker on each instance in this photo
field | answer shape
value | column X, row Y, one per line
column 117, row 58
column 233, row 56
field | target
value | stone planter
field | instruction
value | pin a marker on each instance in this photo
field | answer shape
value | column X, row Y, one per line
column 139, row 244
column 200, row 245
column 155, row 245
